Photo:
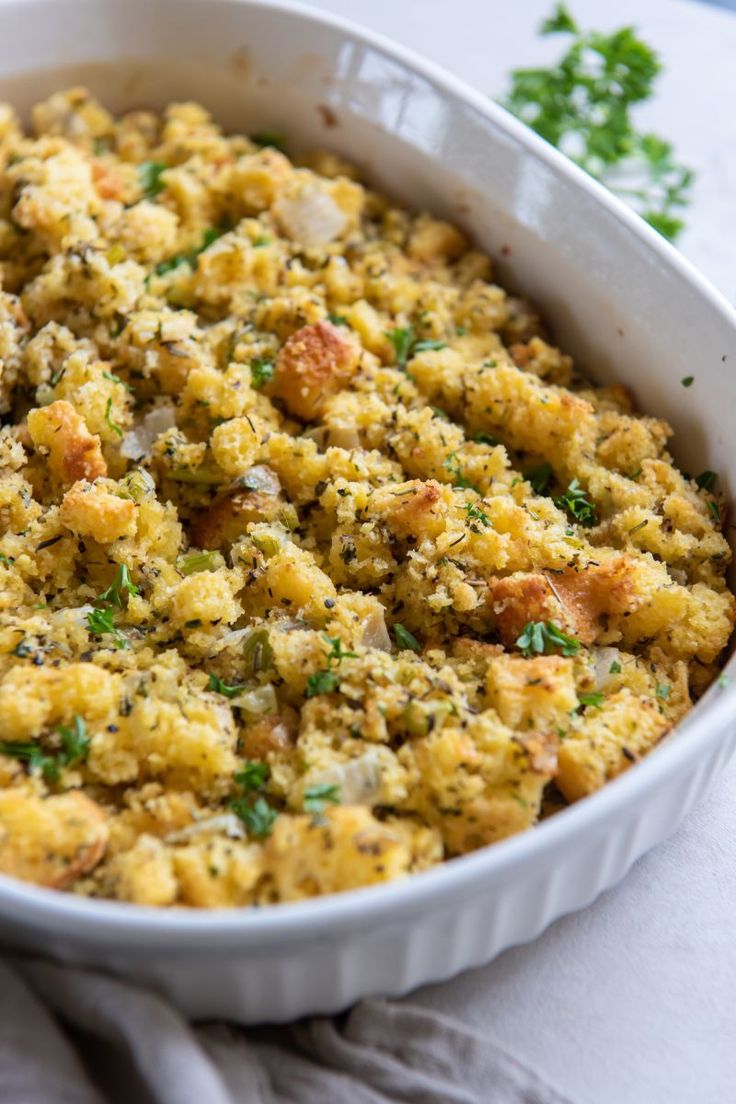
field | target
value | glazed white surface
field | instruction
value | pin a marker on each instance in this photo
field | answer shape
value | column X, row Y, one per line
column 633, row 999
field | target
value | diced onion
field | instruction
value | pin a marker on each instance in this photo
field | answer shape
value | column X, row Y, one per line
column 139, row 441
column 311, row 217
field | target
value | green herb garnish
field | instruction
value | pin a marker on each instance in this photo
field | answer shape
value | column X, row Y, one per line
column 149, row 173
column 261, row 371
column 406, row 344
column 583, row 105
column 253, row 776
column 576, row 502
column 113, row 425
column 121, row 584
column 540, row 478
column 251, row 806
column 452, row 464
column 269, row 138
column 687, row 381
column 210, row 235
column 476, row 514
column 706, row 480
column 544, row 637
column 405, row 641
column 317, row 798
column 337, row 653
column 221, row 687
column 485, row 439
column 323, row 682
column 75, row 746
column 594, row 700
column 615, row 668
column 101, row 623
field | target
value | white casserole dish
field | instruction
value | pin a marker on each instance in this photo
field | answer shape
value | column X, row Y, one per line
column 622, row 300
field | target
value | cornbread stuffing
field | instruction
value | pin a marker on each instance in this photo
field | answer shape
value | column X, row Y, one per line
column 319, row 564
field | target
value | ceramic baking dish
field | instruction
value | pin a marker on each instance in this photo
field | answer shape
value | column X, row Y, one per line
column 618, row 297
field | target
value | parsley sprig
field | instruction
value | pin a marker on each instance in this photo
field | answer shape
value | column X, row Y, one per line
column 577, row 504
column 251, row 805
column 327, row 680
column 101, row 621
column 406, row 344
column 583, row 106
column 318, row 797
column 75, row 744
column 545, row 638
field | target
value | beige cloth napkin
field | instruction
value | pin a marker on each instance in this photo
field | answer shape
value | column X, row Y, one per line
column 71, row 1036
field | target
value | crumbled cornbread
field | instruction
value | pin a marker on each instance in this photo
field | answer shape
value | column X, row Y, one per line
column 319, row 564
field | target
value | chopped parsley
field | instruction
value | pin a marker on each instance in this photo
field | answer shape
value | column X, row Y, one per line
column 540, row 478
column 337, row 319
column 405, row 641
column 337, row 653
column 715, row 509
column 261, row 371
column 476, row 514
column 271, row 138
column 615, row 668
column 485, row 439
column 594, row 700
column 577, row 504
column 215, row 683
column 149, row 174
column 323, row 682
column 101, row 623
column 121, row 584
column 706, row 481
column 251, row 806
column 253, row 776
column 75, row 744
column 687, row 381
column 318, row 797
column 544, row 638
column 113, row 425
column 210, row 235
column 583, row 106
column 406, row 344
column 452, row 464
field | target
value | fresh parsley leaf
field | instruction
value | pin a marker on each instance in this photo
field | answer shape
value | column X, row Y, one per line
column 706, row 480
column 452, row 464
column 337, row 319
column 75, row 742
column 427, row 346
column 270, row 138
column 544, row 638
column 405, row 641
column 32, row 754
column 210, row 235
column 253, row 776
column 406, row 344
column 687, row 381
column 75, row 746
column 594, row 700
column 323, row 682
column 583, row 106
column 540, row 478
column 215, row 683
column 615, row 668
column 485, row 439
column 258, row 816
column 317, row 798
column 101, row 623
column 261, row 371
column 149, row 174
column 121, row 584
column 337, row 653
column 576, row 502
column 402, row 339
column 108, row 418
column 476, row 514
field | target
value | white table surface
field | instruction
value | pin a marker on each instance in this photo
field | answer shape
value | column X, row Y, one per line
column 632, row 1001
